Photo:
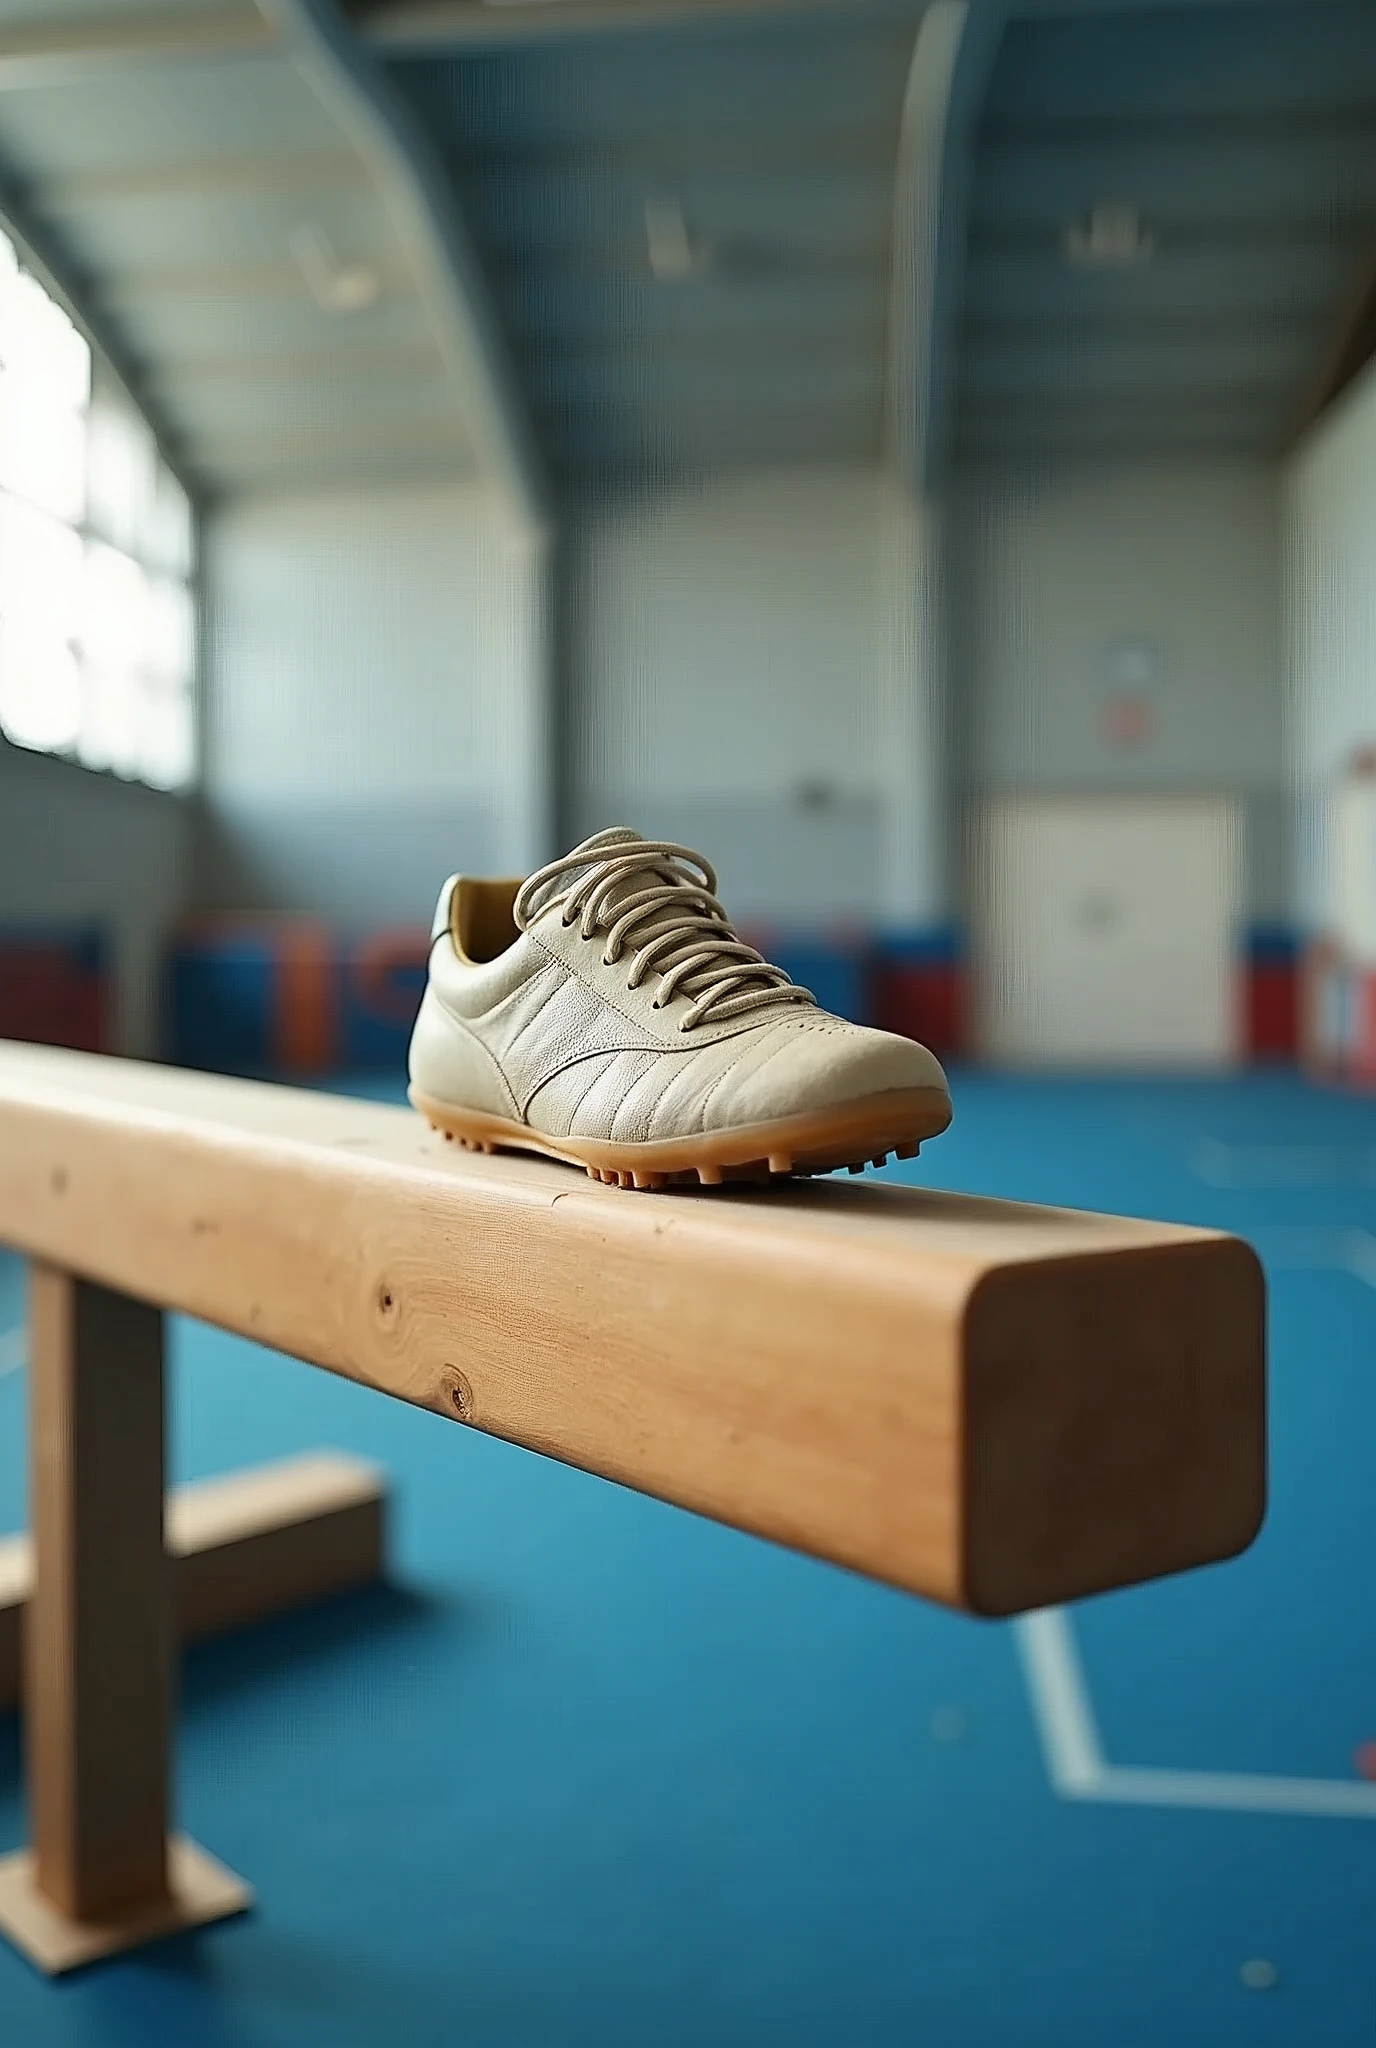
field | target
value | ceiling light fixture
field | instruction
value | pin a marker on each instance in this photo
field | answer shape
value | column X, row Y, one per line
column 1112, row 238
column 674, row 252
column 336, row 287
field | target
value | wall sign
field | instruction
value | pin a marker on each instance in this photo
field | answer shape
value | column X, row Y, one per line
column 1129, row 673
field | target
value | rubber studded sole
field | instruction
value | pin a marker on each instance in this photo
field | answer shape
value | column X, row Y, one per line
column 854, row 1135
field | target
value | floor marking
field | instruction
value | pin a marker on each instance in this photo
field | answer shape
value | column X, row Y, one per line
column 1337, row 1248
column 1220, row 1165
column 1361, row 1255
column 1060, row 1702
column 1062, row 1707
column 1077, row 1768
column 13, row 1349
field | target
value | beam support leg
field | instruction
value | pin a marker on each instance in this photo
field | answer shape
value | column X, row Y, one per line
column 98, row 1692
column 103, row 1873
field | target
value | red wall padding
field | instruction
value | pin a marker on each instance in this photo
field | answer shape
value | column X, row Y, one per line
column 54, row 990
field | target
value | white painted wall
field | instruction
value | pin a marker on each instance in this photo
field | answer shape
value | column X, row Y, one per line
column 745, row 666
column 1331, row 527
column 1184, row 559
column 375, row 684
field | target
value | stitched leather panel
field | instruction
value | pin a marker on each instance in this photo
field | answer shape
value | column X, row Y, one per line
column 503, row 1027
column 599, row 1112
column 554, row 1106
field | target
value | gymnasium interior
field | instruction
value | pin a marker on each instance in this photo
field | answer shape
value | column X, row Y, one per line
column 924, row 459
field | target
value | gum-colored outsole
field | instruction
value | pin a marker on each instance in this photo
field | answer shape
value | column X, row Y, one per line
column 897, row 1121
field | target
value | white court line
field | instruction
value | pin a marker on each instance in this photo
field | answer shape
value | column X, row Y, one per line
column 1239, row 1792
column 1060, row 1703
column 1077, row 1768
column 13, row 1349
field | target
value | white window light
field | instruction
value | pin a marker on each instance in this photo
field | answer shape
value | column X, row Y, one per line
column 40, row 587
column 97, row 542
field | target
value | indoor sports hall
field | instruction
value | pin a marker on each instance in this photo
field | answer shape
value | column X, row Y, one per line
column 913, row 470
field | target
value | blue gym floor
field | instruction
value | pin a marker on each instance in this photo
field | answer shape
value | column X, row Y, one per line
column 597, row 1772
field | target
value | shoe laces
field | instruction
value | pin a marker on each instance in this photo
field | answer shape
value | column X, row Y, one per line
column 659, row 899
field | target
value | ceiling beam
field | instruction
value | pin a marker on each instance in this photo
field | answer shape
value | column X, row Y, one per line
column 1049, row 9
column 55, row 50
column 1056, row 409
column 1226, row 129
column 1351, row 346
column 1072, row 326
column 332, row 394
column 702, row 150
column 373, row 437
column 1031, row 396
column 739, row 263
column 334, row 360
column 1221, row 441
column 264, row 174
column 705, row 389
column 427, row 28
column 953, row 54
column 424, row 212
column 588, row 436
column 133, row 284
column 342, row 352
column 1208, row 235
column 773, row 342
column 241, row 479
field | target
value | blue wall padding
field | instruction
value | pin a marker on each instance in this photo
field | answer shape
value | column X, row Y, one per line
column 384, row 980
column 936, row 945
column 221, row 993
column 834, row 969
column 1272, row 945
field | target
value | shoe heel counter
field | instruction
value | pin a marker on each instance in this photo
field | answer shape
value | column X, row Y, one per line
column 449, row 1063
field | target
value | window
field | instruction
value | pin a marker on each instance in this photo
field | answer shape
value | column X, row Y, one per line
column 97, row 537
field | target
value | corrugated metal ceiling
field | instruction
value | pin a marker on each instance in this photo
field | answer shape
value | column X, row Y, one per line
column 685, row 226
column 766, row 144
column 1244, row 141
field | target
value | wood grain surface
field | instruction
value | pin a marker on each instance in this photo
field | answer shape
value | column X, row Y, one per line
column 994, row 1405
column 97, row 1679
column 243, row 1546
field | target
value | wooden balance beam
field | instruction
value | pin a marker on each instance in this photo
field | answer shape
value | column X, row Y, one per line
column 995, row 1406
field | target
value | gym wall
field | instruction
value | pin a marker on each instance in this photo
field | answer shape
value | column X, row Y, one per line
column 373, row 702
column 85, row 855
column 1059, row 571
column 1330, row 504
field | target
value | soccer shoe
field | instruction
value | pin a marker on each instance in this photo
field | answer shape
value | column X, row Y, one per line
column 604, row 1012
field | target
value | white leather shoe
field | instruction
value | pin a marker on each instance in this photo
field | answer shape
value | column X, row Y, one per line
column 605, row 1012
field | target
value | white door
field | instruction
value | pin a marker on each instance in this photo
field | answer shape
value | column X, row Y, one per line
column 1105, row 931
